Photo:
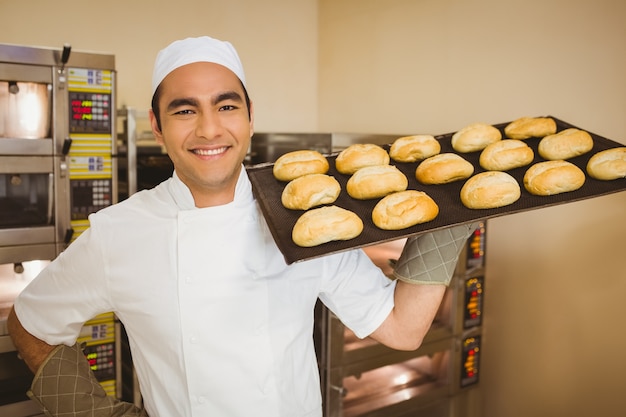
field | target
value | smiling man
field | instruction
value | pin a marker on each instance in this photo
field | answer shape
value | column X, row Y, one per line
column 200, row 101
column 218, row 323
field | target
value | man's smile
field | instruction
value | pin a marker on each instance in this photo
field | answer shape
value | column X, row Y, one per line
column 210, row 152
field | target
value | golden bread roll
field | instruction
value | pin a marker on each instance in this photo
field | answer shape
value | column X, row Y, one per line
column 475, row 137
column 506, row 154
column 325, row 224
column 530, row 127
column 490, row 189
column 360, row 155
column 404, row 209
column 609, row 164
column 566, row 144
column 375, row 182
column 553, row 177
column 298, row 163
column 309, row 191
column 443, row 168
column 414, row 148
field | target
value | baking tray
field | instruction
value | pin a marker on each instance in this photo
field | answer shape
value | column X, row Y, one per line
column 280, row 220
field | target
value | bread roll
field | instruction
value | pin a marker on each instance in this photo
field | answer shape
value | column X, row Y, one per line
column 298, row 163
column 404, row 209
column 490, row 189
column 325, row 224
column 607, row 165
column 553, row 177
column 530, row 127
column 475, row 137
column 506, row 154
column 360, row 155
column 443, row 168
column 375, row 182
column 309, row 191
column 566, row 144
column 414, row 148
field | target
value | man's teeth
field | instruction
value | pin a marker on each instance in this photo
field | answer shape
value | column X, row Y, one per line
column 209, row 152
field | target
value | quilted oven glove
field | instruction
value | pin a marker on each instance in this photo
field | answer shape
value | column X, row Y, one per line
column 432, row 257
column 64, row 386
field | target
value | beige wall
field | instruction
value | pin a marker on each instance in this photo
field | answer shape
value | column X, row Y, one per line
column 276, row 40
column 431, row 66
column 557, row 276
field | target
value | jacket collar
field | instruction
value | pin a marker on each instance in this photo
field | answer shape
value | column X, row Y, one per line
column 184, row 200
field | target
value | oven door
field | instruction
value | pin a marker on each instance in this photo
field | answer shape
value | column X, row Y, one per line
column 15, row 380
column 29, row 227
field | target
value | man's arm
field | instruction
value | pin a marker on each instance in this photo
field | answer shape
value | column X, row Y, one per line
column 413, row 313
column 423, row 271
column 32, row 350
column 64, row 383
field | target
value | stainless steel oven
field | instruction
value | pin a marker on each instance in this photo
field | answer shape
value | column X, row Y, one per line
column 363, row 378
column 57, row 132
column 34, row 199
column 15, row 377
column 34, row 208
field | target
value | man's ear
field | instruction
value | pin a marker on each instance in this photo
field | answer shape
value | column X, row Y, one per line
column 251, row 119
column 155, row 127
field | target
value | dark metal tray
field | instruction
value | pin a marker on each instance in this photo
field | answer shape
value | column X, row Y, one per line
column 268, row 192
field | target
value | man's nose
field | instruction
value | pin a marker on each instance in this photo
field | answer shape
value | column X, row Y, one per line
column 209, row 125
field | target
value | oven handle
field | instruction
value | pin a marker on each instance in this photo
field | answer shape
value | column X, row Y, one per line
column 51, row 198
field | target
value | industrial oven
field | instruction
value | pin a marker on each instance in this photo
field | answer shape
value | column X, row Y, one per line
column 57, row 144
column 361, row 377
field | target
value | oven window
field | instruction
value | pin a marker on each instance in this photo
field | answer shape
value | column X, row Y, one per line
column 15, row 378
column 25, row 200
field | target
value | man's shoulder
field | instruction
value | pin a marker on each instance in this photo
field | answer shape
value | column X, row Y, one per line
column 156, row 201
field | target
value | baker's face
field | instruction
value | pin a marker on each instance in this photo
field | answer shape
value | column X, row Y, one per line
column 205, row 129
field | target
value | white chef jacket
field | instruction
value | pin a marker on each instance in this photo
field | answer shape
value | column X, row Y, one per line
column 218, row 324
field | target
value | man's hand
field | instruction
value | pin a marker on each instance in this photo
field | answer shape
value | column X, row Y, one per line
column 65, row 386
column 432, row 257
column 426, row 259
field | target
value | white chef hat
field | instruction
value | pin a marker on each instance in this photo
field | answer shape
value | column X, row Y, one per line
column 190, row 50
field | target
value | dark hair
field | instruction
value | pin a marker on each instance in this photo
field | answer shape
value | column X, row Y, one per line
column 157, row 94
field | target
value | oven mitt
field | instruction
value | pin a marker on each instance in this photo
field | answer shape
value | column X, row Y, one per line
column 431, row 258
column 64, row 386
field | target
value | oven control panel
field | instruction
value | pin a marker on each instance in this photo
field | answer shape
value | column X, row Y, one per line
column 99, row 337
column 90, row 101
column 470, row 361
column 93, row 182
column 89, row 196
column 101, row 359
column 473, row 302
column 476, row 248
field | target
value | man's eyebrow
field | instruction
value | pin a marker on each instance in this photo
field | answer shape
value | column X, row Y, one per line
column 228, row 95
column 184, row 101
column 189, row 101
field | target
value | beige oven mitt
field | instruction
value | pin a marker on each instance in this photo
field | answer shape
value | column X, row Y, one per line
column 431, row 258
column 64, row 386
